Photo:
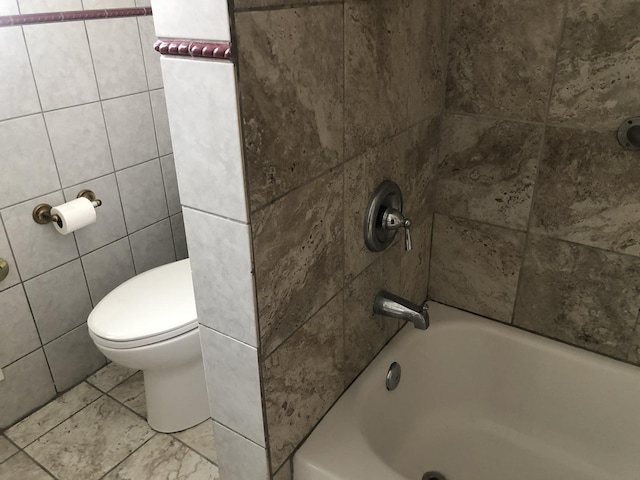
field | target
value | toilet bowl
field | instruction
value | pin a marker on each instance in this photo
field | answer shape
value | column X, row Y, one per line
column 150, row 323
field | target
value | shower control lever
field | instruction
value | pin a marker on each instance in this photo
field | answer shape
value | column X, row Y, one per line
column 393, row 219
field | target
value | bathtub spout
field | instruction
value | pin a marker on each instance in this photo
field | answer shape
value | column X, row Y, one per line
column 391, row 305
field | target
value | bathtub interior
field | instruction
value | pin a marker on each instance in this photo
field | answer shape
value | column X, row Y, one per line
column 483, row 401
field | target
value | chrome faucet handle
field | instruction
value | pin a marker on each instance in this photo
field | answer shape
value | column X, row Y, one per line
column 393, row 219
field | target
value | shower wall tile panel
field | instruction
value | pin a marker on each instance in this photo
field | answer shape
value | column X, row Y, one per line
column 501, row 56
column 599, row 59
column 306, row 79
column 488, row 169
column 361, row 105
column 563, row 181
column 53, row 136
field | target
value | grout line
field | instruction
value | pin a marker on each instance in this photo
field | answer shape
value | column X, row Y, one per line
column 287, row 5
column 155, row 434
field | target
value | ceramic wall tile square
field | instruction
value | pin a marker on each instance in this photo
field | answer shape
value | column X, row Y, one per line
column 171, row 184
column 153, row 246
column 223, row 283
column 61, row 64
column 161, row 121
column 197, row 19
column 73, row 357
column 37, row 248
column 233, row 378
column 108, row 267
column 41, row 6
column 239, row 458
column 475, row 266
column 80, row 145
column 206, row 135
column 306, row 79
column 59, row 300
column 18, row 94
column 117, row 56
column 143, row 196
column 151, row 57
column 26, row 160
column 18, row 334
column 130, row 128
column 9, row 7
column 5, row 252
column 27, row 384
column 109, row 225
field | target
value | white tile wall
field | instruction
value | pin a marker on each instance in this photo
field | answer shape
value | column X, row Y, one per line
column 64, row 143
column 205, row 134
column 41, row 6
column 18, row 94
column 240, row 459
column 221, row 266
column 61, row 64
column 233, row 380
column 194, row 19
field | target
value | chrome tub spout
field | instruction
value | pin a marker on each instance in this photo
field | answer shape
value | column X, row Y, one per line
column 391, row 305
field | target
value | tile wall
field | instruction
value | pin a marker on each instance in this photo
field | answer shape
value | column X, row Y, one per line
column 538, row 206
column 81, row 106
column 336, row 97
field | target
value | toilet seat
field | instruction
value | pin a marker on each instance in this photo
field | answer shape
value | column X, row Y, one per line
column 149, row 308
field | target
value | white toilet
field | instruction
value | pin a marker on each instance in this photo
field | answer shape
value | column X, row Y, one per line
column 150, row 323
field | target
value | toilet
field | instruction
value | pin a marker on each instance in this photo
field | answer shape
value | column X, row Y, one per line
column 150, row 323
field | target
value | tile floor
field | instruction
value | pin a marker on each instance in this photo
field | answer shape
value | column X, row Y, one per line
column 97, row 431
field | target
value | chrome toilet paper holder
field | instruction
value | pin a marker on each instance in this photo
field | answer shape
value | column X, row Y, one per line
column 42, row 212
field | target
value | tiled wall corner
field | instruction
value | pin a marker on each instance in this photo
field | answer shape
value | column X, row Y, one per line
column 243, row 459
column 531, row 176
column 81, row 106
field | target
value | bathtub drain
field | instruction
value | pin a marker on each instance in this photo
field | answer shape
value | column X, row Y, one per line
column 433, row 476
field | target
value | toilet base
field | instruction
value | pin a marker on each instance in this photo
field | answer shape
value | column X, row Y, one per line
column 174, row 382
column 176, row 399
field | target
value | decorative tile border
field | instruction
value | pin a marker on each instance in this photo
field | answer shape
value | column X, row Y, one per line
column 188, row 48
column 52, row 17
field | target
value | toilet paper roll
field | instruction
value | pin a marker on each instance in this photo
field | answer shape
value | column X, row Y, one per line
column 73, row 215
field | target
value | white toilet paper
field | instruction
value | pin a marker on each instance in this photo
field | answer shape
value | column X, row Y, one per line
column 73, row 215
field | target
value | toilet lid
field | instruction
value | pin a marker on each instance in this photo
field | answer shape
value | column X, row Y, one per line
column 149, row 305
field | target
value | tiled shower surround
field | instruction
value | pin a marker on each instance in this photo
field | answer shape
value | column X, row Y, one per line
column 357, row 86
column 538, row 210
column 81, row 106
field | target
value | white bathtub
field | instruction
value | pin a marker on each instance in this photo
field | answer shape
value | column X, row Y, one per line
column 481, row 401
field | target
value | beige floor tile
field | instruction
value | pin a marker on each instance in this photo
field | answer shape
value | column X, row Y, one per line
column 110, row 376
column 52, row 414
column 92, row 442
column 200, row 438
column 21, row 467
column 131, row 393
column 6, row 449
column 163, row 458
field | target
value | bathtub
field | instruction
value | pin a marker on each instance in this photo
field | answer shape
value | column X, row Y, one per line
column 481, row 401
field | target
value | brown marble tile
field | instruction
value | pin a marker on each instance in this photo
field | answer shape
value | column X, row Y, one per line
column 420, row 169
column 303, row 378
column 580, row 295
column 633, row 355
column 290, row 82
column 244, row 4
column 376, row 72
column 164, row 458
column 285, row 472
column 427, row 58
column 298, row 245
column 361, row 177
column 488, row 169
column 21, row 467
column 200, row 438
column 52, row 414
column 364, row 333
column 501, row 56
column 6, row 449
column 587, row 191
column 598, row 65
column 475, row 266
column 131, row 394
column 91, row 442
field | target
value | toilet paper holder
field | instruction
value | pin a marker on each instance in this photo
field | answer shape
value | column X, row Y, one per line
column 42, row 212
